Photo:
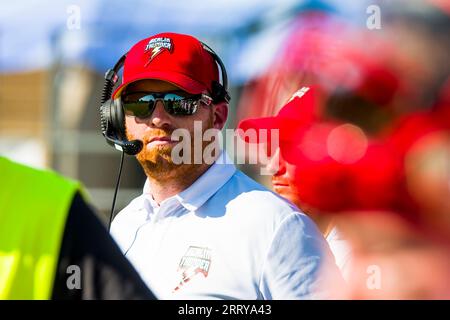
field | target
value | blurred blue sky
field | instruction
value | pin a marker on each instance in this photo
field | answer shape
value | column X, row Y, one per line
column 34, row 34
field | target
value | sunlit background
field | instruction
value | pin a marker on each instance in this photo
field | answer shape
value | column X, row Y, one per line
column 53, row 55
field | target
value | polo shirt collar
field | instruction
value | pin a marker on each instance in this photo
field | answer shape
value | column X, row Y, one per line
column 201, row 190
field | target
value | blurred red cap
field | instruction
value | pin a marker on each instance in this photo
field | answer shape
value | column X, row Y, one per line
column 299, row 111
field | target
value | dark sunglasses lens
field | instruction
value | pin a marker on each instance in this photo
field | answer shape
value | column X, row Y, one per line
column 138, row 106
column 180, row 106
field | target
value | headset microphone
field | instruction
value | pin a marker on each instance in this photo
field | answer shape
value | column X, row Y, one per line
column 132, row 147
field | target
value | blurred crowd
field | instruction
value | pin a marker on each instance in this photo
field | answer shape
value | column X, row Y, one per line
column 364, row 124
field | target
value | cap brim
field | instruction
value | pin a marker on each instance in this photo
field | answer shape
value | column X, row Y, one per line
column 287, row 128
column 259, row 123
column 177, row 79
column 250, row 129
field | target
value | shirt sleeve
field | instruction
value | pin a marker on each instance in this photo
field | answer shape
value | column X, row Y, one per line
column 105, row 272
column 298, row 264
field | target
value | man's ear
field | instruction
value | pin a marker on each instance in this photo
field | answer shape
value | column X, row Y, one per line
column 220, row 115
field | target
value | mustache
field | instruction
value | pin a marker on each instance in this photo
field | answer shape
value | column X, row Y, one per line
column 156, row 133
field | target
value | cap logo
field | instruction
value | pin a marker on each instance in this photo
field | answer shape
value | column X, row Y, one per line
column 157, row 45
column 299, row 93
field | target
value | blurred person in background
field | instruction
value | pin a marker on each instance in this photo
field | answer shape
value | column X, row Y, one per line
column 416, row 261
column 52, row 245
column 320, row 71
column 289, row 178
column 376, row 156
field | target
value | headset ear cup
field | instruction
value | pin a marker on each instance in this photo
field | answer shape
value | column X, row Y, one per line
column 112, row 119
column 105, row 116
column 118, row 119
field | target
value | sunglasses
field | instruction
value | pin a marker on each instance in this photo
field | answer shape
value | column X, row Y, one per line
column 142, row 104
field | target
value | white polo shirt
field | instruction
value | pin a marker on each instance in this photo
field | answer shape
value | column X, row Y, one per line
column 224, row 237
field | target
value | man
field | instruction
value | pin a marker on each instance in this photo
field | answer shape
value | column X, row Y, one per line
column 202, row 231
column 53, row 246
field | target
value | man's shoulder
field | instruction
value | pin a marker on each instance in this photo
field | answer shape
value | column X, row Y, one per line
column 127, row 221
column 131, row 210
column 246, row 193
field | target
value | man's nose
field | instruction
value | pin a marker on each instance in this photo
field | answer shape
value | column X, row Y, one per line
column 160, row 117
column 277, row 165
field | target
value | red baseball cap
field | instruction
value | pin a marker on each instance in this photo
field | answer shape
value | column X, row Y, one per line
column 175, row 58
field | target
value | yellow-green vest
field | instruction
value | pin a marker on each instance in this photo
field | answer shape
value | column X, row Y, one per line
column 34, row 205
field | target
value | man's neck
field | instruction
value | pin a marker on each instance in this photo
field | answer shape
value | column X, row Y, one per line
column 164, row 186
column 324, row 223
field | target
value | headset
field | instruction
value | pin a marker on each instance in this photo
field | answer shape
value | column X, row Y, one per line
column 112, row 117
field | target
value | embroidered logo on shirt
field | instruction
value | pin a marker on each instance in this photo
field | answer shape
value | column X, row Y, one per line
column 196, row 260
